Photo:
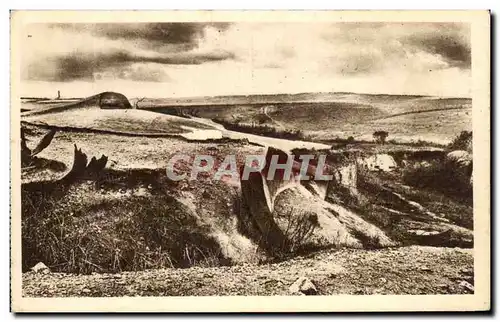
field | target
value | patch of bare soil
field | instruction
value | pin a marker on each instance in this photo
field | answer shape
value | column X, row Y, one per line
column 405, row 270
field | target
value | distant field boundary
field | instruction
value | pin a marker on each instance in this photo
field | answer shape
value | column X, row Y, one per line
column 419, row 112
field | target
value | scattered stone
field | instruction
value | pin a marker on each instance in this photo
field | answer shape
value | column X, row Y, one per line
column 468, row 286
column 86, row 290
column 467, row 271
column 40, row 268
column 304, row 286
column 425, row 269
column 333, row 275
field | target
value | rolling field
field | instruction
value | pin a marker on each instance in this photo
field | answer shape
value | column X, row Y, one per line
column 326, row 117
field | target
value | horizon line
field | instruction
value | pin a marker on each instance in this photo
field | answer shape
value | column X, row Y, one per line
column 256, row 94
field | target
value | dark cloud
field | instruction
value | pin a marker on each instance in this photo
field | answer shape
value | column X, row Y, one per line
column 174, row 33
column 83, row 66
column 454, row 49
column 147, row 34
column 146, row 43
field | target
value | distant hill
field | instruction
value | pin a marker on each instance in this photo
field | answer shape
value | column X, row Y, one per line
column 271, row 98
column 334, row 115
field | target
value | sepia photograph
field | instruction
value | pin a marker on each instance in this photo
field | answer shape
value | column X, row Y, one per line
column 250, row 161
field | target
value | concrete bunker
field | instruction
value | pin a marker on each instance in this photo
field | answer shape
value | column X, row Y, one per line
column 113, row 100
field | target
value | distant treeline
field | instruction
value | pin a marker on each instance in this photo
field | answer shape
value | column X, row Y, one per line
column 351, row 140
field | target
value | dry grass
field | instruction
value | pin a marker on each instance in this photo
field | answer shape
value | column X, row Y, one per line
column 299, row 230
column 109, row 235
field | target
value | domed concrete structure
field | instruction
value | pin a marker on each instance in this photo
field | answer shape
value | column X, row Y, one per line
column 112, row 100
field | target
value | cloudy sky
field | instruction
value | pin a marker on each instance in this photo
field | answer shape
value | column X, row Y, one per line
column 195, row 59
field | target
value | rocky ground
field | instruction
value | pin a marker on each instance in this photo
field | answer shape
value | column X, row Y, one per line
column 405, row 270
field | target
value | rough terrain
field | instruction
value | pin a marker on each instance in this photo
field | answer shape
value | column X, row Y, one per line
column 406, row 270
column 130, row 230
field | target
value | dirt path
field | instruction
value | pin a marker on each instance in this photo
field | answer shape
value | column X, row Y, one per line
column 407, row 270
column 283, row 144
column 417, row 112
column 264, row 110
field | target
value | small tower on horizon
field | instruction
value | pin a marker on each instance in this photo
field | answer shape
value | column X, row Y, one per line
column 58, row 95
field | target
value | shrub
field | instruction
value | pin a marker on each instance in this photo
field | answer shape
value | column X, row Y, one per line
column 299, row 229
column 438, row 176
column 463, row 141
column 380, row 136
